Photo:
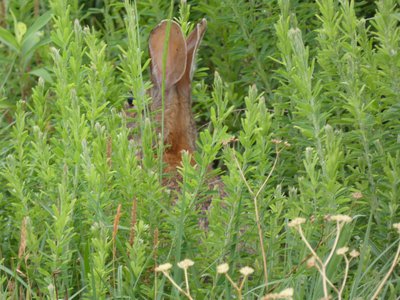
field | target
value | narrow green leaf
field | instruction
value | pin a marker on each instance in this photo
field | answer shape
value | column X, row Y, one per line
column 30, row 45
column 26, row 56
column 44, row 73
column 37, row 25
column 8, row 39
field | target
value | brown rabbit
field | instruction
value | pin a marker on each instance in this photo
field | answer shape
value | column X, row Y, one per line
column 179, row 126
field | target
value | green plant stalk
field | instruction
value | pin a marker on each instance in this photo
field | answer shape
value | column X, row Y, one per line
column 257, row 214
column 391, row 269
column 321, row 266
column 9, row 72
column 260, row 68
column 358, row 109
column 346, row 273
column 164, row 64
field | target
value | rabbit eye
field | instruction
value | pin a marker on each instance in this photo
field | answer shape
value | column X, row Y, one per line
column 130, row 100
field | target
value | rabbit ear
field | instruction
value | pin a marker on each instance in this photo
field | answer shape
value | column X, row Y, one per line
column 192, row 44
column 176, row 56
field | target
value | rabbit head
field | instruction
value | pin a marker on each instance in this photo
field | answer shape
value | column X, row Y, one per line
column 179, row 126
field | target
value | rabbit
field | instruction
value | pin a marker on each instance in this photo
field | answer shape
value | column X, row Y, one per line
column 179, row 127
column 180, row 132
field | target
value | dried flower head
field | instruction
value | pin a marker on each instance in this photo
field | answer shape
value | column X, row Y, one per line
column 287, row 144
column 246, row 271
column 164, row 267
column 397, row 226
column 223, row 268
column 311, row 262
column 285, row 294
column 231, row 139
column 186, row 263
column 276, row 141
column 50, row 287
column 357, row 195
column 342, row 251
column 296, row 222
column 341, row 218
column 41, row 82
column 354, row 253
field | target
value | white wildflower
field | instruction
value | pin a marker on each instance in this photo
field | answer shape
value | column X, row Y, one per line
column 397, row 226
column 285, row 294
column 223, row 268
column 246, row 271
column 164, row 267
column 311, row 262
column 341, row 218
column 357, row 195
column 354, row 253
column 296, row 222
column 342, row 251
column 186, row 263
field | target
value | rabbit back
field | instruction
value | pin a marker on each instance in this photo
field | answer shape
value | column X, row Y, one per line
column 179, row 126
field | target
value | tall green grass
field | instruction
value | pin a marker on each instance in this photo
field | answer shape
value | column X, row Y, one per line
column 297, row 106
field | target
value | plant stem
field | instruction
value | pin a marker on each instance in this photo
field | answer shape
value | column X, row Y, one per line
column 322, row 269
column 239, row 291
column 163, row 79
column 242, row 283
column 255, row 200
column 346, row 272
column 9, row 72
column 186, row 281
column 338, row 227
column 166, row 274
column 395, row 261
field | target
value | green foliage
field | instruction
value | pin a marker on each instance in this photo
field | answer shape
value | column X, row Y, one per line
column 307, row 91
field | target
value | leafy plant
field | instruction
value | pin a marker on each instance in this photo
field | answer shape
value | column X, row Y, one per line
column 297, row 109
column 23, row 45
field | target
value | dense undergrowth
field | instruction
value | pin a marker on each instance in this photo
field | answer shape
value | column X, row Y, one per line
column 297, row 105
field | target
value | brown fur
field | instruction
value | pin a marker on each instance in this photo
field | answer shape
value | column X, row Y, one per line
column 179, row 126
